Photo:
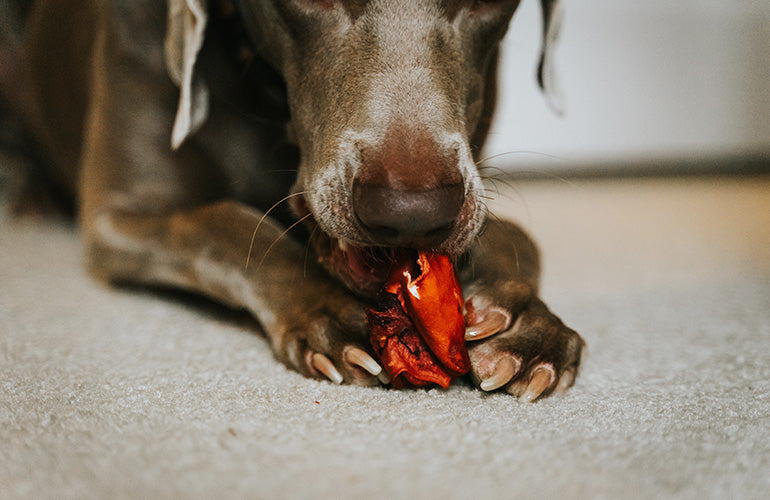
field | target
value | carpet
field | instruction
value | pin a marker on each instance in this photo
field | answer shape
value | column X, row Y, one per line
column 124, row 393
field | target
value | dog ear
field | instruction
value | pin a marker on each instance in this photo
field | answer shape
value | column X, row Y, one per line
column 184, row 38
column 546, row 75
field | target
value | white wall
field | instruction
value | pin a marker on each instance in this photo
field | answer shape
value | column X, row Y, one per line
column 642, row 79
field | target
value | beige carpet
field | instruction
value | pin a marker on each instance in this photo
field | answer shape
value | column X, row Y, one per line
column 110, row 393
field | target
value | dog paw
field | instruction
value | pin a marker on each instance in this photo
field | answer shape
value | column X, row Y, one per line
column 331, row 346
column 526, row 351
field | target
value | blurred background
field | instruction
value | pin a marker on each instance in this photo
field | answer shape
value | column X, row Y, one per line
column 650, row 87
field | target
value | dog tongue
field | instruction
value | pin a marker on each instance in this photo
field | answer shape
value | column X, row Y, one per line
column 417, row 328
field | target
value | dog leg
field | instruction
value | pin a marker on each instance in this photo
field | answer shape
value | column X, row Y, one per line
column 147, row 218
column 314, row 326
column 515, row 343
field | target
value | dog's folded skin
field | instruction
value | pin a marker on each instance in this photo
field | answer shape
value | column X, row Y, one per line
column 387, row 102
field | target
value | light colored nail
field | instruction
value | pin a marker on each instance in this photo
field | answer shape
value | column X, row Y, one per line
column 542, row 378
column 325, row 366
column 383, row 378
column 361, row 358
column 495, row 322
column 504, row 371
column 565, row 381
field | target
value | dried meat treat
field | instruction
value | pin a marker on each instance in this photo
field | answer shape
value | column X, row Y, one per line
column 417, row 329
column 403, row 353
column 434, row 302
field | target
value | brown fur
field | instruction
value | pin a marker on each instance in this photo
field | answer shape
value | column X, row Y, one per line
column 311, row 98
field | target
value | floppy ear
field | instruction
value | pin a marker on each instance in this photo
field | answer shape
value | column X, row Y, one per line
column 546, row 76
column 184, row 37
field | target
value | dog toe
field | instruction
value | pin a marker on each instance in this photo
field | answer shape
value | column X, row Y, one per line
column 534, row 357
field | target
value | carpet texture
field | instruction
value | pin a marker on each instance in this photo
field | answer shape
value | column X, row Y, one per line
column 115, row 393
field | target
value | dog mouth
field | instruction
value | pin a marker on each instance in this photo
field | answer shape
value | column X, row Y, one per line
column 363, row 269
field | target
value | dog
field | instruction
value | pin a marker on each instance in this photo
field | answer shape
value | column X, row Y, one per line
column 268, row 154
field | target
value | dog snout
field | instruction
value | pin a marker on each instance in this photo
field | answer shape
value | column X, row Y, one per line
column 408, row 191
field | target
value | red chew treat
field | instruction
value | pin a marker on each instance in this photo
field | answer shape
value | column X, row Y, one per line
column 418, row 329
column 403, row 353
column 435, row 304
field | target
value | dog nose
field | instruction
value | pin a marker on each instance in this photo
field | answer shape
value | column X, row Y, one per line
column 408, row 190
column 399, row 217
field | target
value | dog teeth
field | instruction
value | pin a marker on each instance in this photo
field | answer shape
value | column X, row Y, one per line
column 505, row 369
column 343, row 245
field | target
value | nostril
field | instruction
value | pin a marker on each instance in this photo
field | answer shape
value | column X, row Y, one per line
column 405, row 217
column 440, row 233
column 382, row 232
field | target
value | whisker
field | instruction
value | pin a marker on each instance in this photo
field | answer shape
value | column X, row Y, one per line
column 492, row 187
column 468, row 263
column 307, row 251
column 513, row 174
column 485, row 206
column 516, row 256
column 501, row 175
column 519, row 152
column 550, row 175
column 499, row 170
column 262, row 219
column 519, row 199
column 264, row 256
column 506, row 179
column 494, row 216
column 510, row 187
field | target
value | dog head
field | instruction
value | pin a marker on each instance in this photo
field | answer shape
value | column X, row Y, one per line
column 390, row 100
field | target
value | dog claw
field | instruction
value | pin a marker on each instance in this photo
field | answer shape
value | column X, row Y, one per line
column 565, row 381
column 325, row 366
column 383, row 378
column 361, row 358
column 504, row 371
column 495, row 322
column 542, row 378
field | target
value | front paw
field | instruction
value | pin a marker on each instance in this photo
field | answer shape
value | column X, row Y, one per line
column 330, row 341
column 520, row 346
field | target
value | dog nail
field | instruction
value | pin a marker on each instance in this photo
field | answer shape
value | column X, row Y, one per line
column 565, row 381
column 542, row 378
column 505, row 369
column 325, row 366
column 383, row 378
column 361, row 358
column 496, row 321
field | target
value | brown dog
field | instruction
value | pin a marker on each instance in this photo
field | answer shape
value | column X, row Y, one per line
column 367, row 113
